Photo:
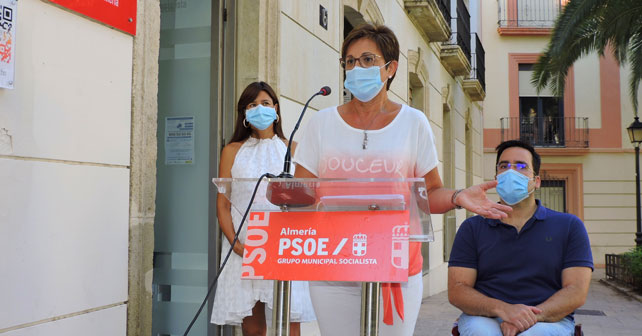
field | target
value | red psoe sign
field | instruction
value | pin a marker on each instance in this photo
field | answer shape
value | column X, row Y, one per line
column 327, row 246
column 120, row 14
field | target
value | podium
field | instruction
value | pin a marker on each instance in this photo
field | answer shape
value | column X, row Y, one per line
column 329, row 230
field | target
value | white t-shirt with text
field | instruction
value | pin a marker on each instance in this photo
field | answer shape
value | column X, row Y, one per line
column 330, row 148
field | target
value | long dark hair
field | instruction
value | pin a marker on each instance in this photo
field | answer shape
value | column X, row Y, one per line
column 250, row 93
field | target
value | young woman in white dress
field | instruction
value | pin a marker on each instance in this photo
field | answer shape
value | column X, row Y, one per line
column 257, row 147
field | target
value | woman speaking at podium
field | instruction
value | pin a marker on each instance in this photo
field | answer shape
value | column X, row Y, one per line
column 257, row 147
column 388, row 140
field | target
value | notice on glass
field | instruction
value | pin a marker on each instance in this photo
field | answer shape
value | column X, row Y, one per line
column 179, row 140
column 7, row 42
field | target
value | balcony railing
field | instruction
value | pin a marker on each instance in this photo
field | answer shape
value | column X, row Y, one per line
column 618, row 268
column 474, row 84
column 569, row 132
column 529, row 13
column 444, row 8
column 461, row 29
column 478, row 59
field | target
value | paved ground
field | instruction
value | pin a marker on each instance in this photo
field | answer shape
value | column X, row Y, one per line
column 607, row 312
column 622, row 312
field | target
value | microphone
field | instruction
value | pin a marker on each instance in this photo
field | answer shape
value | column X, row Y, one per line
column 325, row 91
column 291, row 193
column 287, row 162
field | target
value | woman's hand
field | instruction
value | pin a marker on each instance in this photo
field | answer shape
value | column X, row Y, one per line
column 474, row 199
column 239, row 248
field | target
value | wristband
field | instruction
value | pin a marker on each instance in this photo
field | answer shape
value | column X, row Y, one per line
column 452, row 199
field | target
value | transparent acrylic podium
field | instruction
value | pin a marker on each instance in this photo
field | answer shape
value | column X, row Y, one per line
column 367, row 204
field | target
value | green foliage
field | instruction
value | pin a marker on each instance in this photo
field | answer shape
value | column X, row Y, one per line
column 634, row 259
column 586, row 26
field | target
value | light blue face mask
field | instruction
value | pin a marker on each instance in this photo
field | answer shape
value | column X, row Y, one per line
column 512, row 187
column 261, row 116
column 364, row 83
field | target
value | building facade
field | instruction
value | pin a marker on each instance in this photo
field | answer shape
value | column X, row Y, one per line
column 588, row 161
column 74, row 167
column 295, row 47
column 104, row 230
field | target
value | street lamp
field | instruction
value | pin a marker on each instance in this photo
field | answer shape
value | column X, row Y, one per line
column 635, row 134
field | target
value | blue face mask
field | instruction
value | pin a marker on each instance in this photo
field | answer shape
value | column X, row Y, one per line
column 261, row 116
column 512, row 187
column 364, row 83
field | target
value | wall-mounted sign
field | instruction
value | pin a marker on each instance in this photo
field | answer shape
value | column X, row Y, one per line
column 179, row 140
column 7, row 42
column 120, row 14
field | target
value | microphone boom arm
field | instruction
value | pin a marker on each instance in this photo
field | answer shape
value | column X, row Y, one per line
column 288, row 155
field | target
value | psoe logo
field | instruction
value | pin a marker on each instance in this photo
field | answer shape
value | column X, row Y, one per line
column 399, row 253
column 359, row 244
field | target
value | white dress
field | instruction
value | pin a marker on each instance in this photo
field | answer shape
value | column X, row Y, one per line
column 235, row 298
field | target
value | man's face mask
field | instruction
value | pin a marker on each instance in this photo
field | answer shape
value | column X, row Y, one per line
column 513, row 186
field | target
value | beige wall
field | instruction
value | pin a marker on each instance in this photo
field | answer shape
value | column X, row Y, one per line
column 309, row 58
column 587, row 89
column 609, row 203
column 64, row 200
column 627, row 106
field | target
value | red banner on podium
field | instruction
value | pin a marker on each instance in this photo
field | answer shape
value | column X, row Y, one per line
column 329, row 246
column 120, row 14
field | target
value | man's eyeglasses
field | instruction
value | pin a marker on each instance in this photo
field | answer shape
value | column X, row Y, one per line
column 519, row 166
column 365, row 61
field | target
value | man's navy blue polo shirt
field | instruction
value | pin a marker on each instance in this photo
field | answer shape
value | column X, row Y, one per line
column 524, row 267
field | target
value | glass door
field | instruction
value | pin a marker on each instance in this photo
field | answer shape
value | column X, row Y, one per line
column 187, row 155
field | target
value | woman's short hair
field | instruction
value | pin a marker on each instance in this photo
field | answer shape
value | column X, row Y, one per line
column 382, row 36
column 241, row 132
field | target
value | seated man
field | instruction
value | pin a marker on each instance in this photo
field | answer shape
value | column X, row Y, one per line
column 527, row 273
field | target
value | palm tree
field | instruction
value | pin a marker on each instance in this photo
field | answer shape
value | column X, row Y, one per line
column 586, row 26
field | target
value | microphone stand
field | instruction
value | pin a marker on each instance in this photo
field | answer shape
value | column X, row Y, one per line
column 282, row 289
column 287, row 162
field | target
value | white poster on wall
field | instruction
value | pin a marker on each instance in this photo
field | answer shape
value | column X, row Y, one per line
column 7, row 42
column 179, row 140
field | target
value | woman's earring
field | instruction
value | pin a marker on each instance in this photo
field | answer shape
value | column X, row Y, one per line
column 245, row 123
column 277, row 119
